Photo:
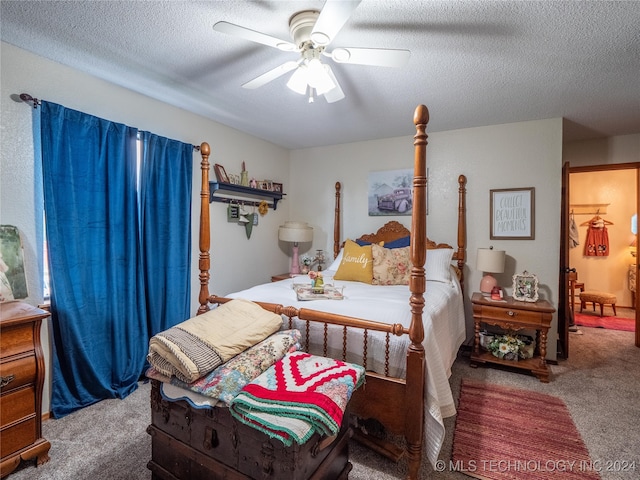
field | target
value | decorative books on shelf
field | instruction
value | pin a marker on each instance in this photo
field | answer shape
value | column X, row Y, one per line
column 307, row 292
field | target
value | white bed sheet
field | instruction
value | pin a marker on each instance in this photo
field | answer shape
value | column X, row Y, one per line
column 444, row 329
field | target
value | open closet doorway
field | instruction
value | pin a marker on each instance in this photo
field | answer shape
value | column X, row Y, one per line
column 600, row 195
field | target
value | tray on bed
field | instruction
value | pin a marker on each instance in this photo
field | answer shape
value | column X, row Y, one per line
column 306, row 292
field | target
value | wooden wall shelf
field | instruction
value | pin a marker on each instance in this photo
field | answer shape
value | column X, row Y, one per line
column 232, row 193
column 588, row 208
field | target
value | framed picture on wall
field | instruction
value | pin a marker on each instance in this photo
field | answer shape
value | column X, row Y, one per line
column 390, row 192
column 512, row 213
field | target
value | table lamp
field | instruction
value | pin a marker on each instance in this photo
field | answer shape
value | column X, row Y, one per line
column 489, row 261
column 295, row 232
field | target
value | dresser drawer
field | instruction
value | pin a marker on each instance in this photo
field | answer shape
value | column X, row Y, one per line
column 511, row 315
column 17, row 373
column 16, row 339
column 17, row 404
column 18, row 436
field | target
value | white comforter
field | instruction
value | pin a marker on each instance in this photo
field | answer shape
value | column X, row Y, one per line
column 444, row 328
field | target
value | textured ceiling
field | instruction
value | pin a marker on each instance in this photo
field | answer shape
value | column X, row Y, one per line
column 473, row 63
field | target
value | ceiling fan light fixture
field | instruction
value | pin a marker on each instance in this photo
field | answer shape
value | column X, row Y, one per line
column 318, row 77
column 298, row 81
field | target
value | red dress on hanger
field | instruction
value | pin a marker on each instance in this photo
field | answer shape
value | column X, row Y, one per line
column 597, row 242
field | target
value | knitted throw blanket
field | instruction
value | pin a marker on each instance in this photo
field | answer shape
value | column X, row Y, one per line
column 297, row 396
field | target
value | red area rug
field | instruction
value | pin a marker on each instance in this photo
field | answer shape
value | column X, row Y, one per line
column 507, row 433
column 612, row 323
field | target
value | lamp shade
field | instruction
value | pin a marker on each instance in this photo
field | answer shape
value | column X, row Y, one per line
column 295, row 232
column 490, row 260
column 312, row 73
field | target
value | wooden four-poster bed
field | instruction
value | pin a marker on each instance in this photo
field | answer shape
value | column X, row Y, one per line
column 402, row 398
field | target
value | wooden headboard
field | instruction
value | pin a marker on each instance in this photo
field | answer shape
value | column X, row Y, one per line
column 394, row 230
column 389, row 232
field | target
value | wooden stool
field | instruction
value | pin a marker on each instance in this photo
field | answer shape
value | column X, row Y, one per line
column 601, row 298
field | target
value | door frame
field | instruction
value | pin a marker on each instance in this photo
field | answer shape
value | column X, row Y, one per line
column 563, row 324
column 564, row 309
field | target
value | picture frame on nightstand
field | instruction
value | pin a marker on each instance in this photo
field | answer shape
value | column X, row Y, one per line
column 525, row 287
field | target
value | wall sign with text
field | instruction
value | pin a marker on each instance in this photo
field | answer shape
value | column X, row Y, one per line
column 512, row 214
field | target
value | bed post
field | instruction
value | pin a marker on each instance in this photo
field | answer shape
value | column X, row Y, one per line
column 462, row 226
column 205, row 231
column 416, row 368
column 336, row 222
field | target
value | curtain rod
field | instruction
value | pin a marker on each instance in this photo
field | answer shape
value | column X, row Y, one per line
column 25, row 97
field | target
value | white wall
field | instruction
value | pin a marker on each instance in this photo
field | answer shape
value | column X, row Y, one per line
column 238, row 262
column 527, row 154
column 603, row 151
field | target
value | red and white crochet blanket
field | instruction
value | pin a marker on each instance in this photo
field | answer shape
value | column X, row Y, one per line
column 297, row 396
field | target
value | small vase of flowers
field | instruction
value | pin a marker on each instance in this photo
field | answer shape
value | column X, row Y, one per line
column 317, row 282
column 511, row 347
column 306, row 262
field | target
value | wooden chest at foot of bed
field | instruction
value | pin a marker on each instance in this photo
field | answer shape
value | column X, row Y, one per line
column 192, row 443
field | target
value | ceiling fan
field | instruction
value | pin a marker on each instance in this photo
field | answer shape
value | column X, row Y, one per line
column 312, row 32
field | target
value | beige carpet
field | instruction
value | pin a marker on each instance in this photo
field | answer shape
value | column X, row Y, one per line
column 599, row 385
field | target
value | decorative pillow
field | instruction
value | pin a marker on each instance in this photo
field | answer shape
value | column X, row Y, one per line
column 336, row 263
column 391, row 266
column 438, row 265
column 399, row 243
column 362, row 243
column 356, row 264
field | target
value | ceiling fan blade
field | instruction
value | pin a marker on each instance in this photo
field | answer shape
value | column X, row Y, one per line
column 378, row 57
column 333, row 16
column 253, row 36
column 335, row 93
column 270, row 75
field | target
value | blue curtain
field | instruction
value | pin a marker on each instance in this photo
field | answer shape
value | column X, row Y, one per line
column 165, row 205
column 98, row 274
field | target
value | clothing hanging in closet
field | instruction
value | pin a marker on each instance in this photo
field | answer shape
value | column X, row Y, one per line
column 597, row 242
column 574, row 235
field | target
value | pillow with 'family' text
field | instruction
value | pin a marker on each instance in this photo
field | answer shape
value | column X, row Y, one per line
column 356, row 264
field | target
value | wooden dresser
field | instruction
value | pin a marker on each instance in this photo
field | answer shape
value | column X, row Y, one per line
column 22, row 372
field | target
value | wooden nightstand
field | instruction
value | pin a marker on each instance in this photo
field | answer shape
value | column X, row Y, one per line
column 513, row 315
column 282, row 276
